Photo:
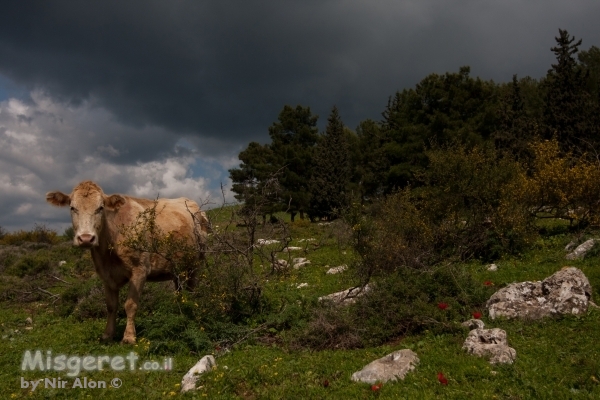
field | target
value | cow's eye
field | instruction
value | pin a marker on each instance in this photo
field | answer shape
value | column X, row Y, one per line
column 73, row 209
column 99, row 210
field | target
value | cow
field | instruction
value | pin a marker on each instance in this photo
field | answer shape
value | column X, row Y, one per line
column 98, row 224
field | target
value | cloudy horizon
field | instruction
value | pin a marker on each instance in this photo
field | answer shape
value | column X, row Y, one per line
column 158, row 98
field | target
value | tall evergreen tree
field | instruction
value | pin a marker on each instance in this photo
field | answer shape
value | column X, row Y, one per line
column 252, row 183
column 568, row 102
column 293, row 137
column 442, row 108
column 516, row 127
column 372, row 165
column 331, row 176
column 590, row 61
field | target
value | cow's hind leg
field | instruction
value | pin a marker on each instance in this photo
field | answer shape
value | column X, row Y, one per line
column 136, row 284
column 112, row 302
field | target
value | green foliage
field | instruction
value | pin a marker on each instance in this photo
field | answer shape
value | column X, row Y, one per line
column 571, row 111
column 31, row 264
column 252, row 182
column 465, row 207
column 288, row 158
column 330, row 182
column 517, row 127
column 404, row 302
column 590, row 61
column 441, row 109
column 9, row 255
column 69, row 233
column 83, row 300
column 371, row 165
column 293, row 138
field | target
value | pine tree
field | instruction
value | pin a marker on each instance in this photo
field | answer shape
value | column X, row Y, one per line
column 516, row 128
column 330, row 180
column 253, row 180
column 293, row 137
column 567, row 100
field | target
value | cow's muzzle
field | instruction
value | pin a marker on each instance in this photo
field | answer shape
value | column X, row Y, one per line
column 86, row 240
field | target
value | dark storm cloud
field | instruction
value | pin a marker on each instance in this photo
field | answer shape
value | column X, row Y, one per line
column 158, row 97
column 224, row 69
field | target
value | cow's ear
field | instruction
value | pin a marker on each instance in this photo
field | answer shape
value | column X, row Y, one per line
column 58, row 199
column 114, row 202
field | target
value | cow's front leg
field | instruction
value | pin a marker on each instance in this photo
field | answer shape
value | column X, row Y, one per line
column 136, row 285
column 112, row 302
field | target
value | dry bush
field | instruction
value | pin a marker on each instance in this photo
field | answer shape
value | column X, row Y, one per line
column 39, row 234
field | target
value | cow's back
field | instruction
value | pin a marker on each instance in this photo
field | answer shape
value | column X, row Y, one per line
column 178, row 216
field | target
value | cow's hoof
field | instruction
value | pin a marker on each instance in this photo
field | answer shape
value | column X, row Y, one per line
column 128, row 340
column 106, row 338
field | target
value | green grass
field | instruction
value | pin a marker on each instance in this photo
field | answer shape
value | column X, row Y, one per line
column 556, row 358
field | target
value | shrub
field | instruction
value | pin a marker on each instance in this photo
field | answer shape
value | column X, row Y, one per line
column 69, row 233
column 404, row 302
column 39, row 234
column 30, row 264
column 466, row 207
column 9, row 255
column 561, row 185
column 410, row 242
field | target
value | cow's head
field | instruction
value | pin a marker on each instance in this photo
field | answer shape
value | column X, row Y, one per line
column 87, row 202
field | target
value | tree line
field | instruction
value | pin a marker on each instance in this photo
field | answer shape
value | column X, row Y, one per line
column 319, row 174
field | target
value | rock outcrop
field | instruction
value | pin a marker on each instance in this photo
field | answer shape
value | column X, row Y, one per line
column 566, row 292
column 300, row 262
column 188, row 382
column 347, row 296
column 392, row 367
column 337, row 270
column 490, row 343
column 581, row 250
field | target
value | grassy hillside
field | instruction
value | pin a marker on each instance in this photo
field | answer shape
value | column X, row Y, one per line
column 260, row 357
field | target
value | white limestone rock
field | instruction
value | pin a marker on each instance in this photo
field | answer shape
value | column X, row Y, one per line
column 300, row 262
column 581, row 250
column 266, row 242
column 337, row 270
column 474, row 324
column 347, row 296
column 392, row 367
column 566, row 292
column 490, row 343
column 188, row 382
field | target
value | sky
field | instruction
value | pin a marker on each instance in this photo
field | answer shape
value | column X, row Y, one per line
column 157, row 98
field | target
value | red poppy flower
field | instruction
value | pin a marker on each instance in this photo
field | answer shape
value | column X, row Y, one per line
column 488, row 283
column 442, row 306
column 376, row 388
column 476, row 315
column 442, row 379
column 325, row 383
